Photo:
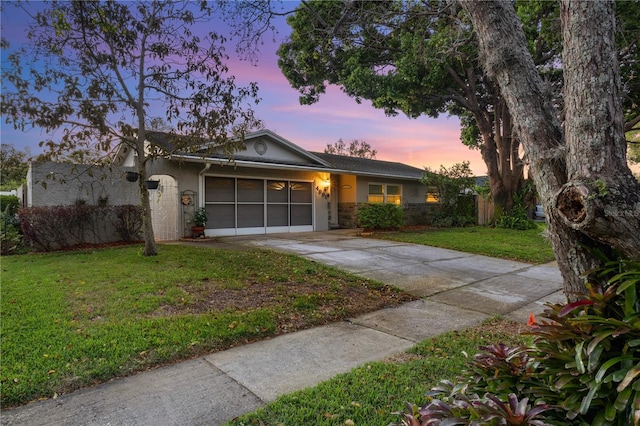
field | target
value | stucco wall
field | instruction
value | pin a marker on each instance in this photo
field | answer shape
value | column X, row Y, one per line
column 54, row 184
column 187, row 176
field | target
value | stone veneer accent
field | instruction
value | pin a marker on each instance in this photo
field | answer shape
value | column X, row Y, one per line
column 414, row 214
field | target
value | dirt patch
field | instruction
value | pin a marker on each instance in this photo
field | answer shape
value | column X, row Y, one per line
column 304, row 304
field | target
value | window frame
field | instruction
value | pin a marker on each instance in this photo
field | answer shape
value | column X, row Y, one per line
column 385, row 193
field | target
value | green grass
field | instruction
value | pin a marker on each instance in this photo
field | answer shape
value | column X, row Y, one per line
column 72, row 319
column 371, row 393
column 528, row 246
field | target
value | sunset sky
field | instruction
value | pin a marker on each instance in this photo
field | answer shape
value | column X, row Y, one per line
column 418, row 142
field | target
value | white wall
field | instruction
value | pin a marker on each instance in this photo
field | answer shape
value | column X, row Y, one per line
column 53, row 184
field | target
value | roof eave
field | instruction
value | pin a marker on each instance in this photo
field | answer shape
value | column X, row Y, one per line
column 252, row 164
column 276, row 166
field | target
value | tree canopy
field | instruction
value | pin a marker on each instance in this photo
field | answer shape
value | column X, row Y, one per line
column 13, row 167
column 100, row 71
column 421, row 58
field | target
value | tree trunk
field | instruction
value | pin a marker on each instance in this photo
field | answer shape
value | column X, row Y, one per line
column 504, row 168
column 150, row 248
column 602, row 197
column 591, row 201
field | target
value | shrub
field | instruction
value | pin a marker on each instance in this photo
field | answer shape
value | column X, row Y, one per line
column 590, row 349
column 47, row 228
column 128, row 222
column 455, row 219
column 584, row 364
column 60, row 227
column 380, row 216
column 457, row 205
column 10, row 236
column 9, row 204
column 517, row 217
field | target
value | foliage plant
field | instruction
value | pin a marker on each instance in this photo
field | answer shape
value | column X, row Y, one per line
column 200, row 217
column 583, row 367
column 380, row 216
column 453, row 185
column 589, row 350
column 518, row 217
column 10, row 233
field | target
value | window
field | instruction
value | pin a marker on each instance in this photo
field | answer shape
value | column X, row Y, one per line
column 385, row 193
column 393, row 194
column 376, row 193
column 433, row 196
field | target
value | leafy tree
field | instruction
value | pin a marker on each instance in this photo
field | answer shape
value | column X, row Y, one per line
column 453, row 186
column 14, row 165
column 579, row 167
column 421, row 58
column 411, row 57
column 356, row 148
column 96, row 70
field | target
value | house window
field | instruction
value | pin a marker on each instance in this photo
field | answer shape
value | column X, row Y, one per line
column 385, row 193
column 433, row 196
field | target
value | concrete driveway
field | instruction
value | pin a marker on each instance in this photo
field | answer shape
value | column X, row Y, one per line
column 477, row 283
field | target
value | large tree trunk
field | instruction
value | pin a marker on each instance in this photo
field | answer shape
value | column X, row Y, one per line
column 500, row 152
column 589, row 194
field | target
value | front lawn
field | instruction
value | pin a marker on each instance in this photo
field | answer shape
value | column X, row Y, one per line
column 528, row 246
column 72, row 319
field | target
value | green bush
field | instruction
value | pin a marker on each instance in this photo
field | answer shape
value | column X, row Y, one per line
column 459, row 218
column 10, row 235
column 456, row 205
column 582, row 369
column 380, row 216
column 9, row 204
column 517, row 218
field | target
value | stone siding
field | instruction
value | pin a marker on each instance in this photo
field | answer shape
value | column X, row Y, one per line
column 414, row 214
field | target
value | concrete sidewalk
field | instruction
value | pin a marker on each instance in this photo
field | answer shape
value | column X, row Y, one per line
column 457, row 289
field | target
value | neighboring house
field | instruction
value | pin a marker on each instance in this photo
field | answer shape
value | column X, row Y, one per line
column 271, row 186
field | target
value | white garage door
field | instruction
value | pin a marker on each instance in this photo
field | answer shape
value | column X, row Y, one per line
column 243, row 206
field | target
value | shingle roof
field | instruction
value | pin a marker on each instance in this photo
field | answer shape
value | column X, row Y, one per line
column 341, row 163
column 365, row 166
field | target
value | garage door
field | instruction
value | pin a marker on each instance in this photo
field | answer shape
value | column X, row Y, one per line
column 243, row 206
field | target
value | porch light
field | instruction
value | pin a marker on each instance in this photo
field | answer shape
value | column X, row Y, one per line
column 323, row 188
